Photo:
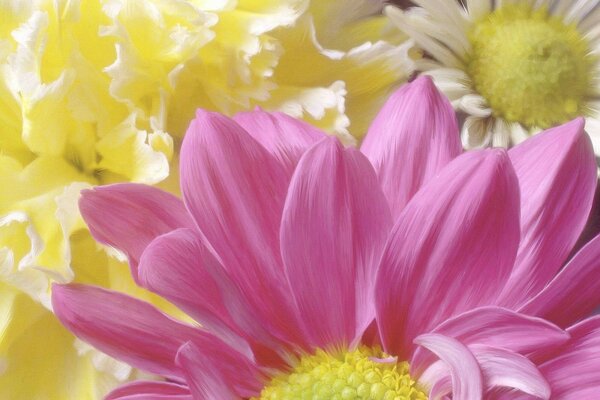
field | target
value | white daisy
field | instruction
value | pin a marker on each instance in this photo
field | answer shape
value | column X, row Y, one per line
column 513, row 67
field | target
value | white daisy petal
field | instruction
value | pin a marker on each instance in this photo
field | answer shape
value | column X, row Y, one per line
column 501, row 133
column 579, row 10
column 451, row 12
column 476, row 132
column 478, row 8
column 474, row 104
column 592, row 127
column 591, row 20
column 454, row 83
column 438, row 51
column 519, row 133
column 447, row 34
column 561, row 7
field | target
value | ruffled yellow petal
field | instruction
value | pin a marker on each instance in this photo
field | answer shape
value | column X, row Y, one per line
column 134, row 155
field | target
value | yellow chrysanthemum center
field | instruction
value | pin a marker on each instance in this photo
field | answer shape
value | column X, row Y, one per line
column 359, row 374
column 531, row 67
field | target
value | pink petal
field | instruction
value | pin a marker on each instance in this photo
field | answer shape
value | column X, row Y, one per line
column 502, row 368
column 150, row 390
column 128, row 216
column 464, row 369
column 573, row 374
column 180, row 268
column 210, row 374
column 125, row 328
column 335, row 223
column 557, row 177
column 235, row 190
column 414, row 136
column 286, row 138
column 574, row 293
column 451, row 249
column 495, row 327
column 442, row 389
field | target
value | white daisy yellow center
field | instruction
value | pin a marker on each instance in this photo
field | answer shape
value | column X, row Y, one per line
column 359, row 374
column 531, row 67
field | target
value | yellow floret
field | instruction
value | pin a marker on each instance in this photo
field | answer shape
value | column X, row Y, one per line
column 531, row 67
column 364, row 373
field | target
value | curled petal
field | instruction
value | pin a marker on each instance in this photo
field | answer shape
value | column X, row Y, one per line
column 502, row 368
column 467, row 382
column 495, row 327
column 150, row 390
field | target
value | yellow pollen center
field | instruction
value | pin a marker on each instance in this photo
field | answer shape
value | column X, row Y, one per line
column 531, row 67
column 347, row 375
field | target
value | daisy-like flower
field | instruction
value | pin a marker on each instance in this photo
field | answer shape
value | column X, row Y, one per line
column 101, row 91
column 513, row 67
column 404, row 269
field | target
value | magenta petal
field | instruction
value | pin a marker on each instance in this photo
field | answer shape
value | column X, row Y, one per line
column 235, row 191
column 212, row 373
column 502, row 368
column 286, row 138
column 573, row 374
column 150, row 390
column 442, row 389
column 557, row 177
column 467, row 383
column 335, row 223
column 574, row 293
column 414, row 136
column 180, row 268
column 125, row 328
column 451, row 250
column 128, row 216
column 495, row 327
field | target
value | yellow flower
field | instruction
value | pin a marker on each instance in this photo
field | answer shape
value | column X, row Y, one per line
column 100, row 91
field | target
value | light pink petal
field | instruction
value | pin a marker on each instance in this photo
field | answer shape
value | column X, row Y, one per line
column 211, row 374
column 466, row 376
column 125, row 328
column 495, row 327
column 502, row 368
column 441, row 389
column 451, row 249
column 235, row 191
column 574, row 373
column 557, row 177
column 285, row 137
column 414, row 136
column 128, row 216
column 574, row 293
column 150, row 390
column 179, row 267
column 335, row 223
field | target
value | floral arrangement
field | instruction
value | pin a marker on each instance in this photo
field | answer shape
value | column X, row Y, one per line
column 289, row 199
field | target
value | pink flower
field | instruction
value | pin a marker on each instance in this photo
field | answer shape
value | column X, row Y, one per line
column 287, row 247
